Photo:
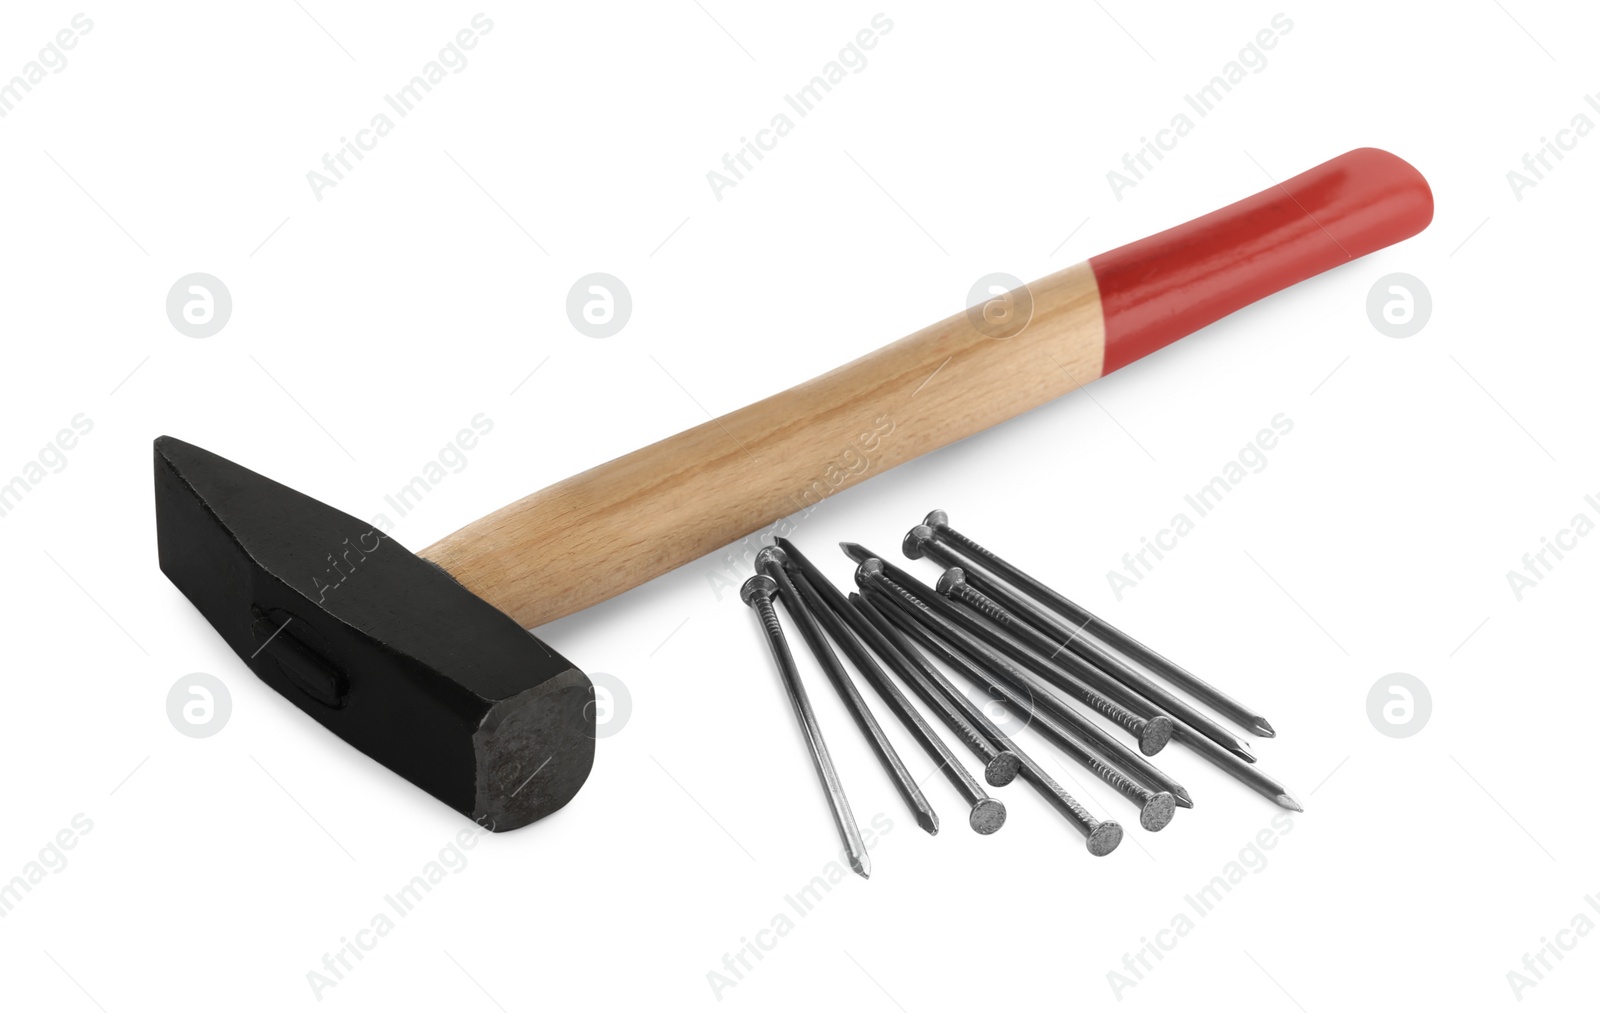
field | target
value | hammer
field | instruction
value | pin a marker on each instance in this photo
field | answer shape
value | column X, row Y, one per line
column 423, row 660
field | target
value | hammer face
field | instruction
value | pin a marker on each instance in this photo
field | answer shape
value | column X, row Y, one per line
column 383, row 648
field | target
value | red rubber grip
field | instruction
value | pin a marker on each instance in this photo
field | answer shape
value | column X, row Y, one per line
column 1156, row 290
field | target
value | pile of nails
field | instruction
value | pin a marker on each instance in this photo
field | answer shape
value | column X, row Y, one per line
column 1021, row 643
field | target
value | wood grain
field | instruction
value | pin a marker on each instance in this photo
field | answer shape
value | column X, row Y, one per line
column 617, row 525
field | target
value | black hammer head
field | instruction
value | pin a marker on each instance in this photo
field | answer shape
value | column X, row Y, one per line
column 382, row 647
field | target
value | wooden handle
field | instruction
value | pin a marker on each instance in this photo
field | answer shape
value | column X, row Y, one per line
column 613, row 527
column 616, row 526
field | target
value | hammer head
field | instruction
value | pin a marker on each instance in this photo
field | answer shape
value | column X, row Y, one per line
column 382, row 647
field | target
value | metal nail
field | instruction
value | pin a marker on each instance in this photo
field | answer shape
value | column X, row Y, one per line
column 1246, row 773
column 1100, row 836
column 942, row 535
column 1125, row 708
column 1001, row 759
column 770, row 562
column 1156, row 808
column 757, row 592
column 1067, row 730
column 986, row 814
column 993, row 650
column 1000, row 766
column 1187, row 721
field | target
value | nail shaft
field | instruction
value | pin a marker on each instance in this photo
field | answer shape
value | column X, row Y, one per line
column 969, row 723
column 987, row 814
column 1155, row 807
column 1188, row 723
column 1019, row 688
column 1000, row 767
column 1128, row 710
column 1246, row 773
column 1018, row 672
column 980, row 590
column 757, row 593
column 770, row 562
column 1101, row 836
column 1119, row 642
column 1153, row 732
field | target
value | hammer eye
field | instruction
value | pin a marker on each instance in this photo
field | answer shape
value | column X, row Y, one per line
column 316, row 675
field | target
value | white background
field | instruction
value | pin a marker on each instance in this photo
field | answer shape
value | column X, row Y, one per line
column 425, row 288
